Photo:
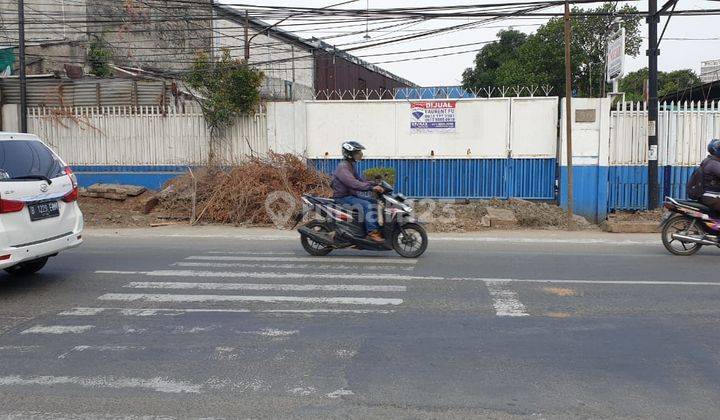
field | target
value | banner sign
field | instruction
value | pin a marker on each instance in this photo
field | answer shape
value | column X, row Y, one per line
column 7, row 58
column 432, row 116
column 616, row 56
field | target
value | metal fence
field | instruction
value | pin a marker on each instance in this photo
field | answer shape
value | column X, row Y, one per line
column 151, row 135
column 683, row 129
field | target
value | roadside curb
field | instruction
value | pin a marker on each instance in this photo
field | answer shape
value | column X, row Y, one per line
column 497, row 237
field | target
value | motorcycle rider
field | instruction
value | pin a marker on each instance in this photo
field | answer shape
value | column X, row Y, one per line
column 711, row 177
column 346, row 183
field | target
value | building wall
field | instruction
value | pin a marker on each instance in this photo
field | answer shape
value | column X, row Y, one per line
column 335, row 73
column 153, row 33
column 710, row 71
column 281, row 61
column 55, row 33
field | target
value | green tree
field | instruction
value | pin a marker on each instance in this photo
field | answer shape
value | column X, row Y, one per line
column 492, row 56
column 225, row 89
column 538, row 59
column 633, row 84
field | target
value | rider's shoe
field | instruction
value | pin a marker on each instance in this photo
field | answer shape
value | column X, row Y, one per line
column 375, row 236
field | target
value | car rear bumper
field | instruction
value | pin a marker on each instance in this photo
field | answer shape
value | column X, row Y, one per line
column 41, row 249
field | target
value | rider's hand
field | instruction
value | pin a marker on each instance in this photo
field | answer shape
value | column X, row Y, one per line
column 378, row 189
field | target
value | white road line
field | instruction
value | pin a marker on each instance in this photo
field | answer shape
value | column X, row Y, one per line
column 255, row 286
column 78, row 349
column 621, row 282
column 176, row 312
column 358, row 260
column 58, row 329
column 505, row 301
column 154, row 384
column 276, row 266
column 145, row 297
column 191, row 273
column 268, row 275
column 251, row 253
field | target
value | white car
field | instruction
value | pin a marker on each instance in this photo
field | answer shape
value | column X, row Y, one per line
column 39, row 213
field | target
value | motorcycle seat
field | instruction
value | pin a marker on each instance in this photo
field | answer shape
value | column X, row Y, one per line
column 331, row 203
column 696, row 205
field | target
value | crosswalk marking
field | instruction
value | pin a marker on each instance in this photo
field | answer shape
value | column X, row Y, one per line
column 155, row 384
column 267, row 275
column 505, row 301
column 175, row 312
column 257, row 286
column 57, row 329
column 377, row 260
column 147, row 297
column 293, row 266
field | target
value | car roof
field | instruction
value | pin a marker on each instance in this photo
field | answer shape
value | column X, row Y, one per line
column 4, row 136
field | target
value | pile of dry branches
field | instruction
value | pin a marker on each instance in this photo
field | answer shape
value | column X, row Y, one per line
column 239, row 194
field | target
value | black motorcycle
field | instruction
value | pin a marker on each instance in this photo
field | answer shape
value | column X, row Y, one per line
column 342, row 227
column 688, row 225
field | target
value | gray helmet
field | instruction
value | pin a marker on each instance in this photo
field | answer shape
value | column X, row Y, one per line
column 350, row 147
column 714, row 147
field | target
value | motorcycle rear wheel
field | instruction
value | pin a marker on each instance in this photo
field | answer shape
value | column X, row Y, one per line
column 410, row 240
column 684, row 225
column 315, row 248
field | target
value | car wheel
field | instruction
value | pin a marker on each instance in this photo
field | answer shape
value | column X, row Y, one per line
column 27, row 267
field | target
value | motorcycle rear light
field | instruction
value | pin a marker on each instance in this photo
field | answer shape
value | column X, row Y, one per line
column 11, row 206
column 5, row 257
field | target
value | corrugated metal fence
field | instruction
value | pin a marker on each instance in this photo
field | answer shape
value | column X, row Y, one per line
column 50, row 92
column 683, row 129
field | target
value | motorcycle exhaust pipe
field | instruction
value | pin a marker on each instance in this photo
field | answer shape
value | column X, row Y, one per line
column 694, row 240
column 317, row 237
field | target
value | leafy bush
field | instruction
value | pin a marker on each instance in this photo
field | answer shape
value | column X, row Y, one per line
column 99, row 57
column 227, row 88
column 388, row 174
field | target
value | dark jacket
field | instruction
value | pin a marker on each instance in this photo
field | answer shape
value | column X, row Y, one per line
column 711, row 174
column 346, row 181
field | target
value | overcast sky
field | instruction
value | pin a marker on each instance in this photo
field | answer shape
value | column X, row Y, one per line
column 675, row 54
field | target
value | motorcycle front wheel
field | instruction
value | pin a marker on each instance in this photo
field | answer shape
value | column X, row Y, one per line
column 682, row 225
column 410, row 240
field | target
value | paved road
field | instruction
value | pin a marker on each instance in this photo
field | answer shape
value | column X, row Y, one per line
column 563, row 326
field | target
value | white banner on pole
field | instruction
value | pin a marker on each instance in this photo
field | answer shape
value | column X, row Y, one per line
column 616, row 56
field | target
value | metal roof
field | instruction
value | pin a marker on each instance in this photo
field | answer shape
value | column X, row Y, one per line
column 311, row 44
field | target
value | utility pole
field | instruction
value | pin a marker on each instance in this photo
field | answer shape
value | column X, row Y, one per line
column 21, row 64
column 247, row 39
column 568, row 114
column 652, row 52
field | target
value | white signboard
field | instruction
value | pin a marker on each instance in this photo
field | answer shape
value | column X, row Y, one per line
column 432, row 116
column 616, row 56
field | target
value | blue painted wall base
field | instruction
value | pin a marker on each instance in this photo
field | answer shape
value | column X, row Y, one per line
column 590, row 191
column 532, row 179
column 151, row 177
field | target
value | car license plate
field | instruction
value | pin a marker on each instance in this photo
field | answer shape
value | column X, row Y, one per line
column 39, row 211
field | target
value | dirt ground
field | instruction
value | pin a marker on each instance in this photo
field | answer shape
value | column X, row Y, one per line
column 102, row 212
column 637, row 216
column 439, row 216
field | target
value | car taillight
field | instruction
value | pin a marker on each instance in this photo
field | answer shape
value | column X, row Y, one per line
column 11, row 206
column 72, row 195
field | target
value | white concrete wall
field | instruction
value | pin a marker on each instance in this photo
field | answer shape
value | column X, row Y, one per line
column 589, row 139
column 483, row 129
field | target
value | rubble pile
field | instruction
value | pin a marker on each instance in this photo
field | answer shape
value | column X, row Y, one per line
column 239, row 194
